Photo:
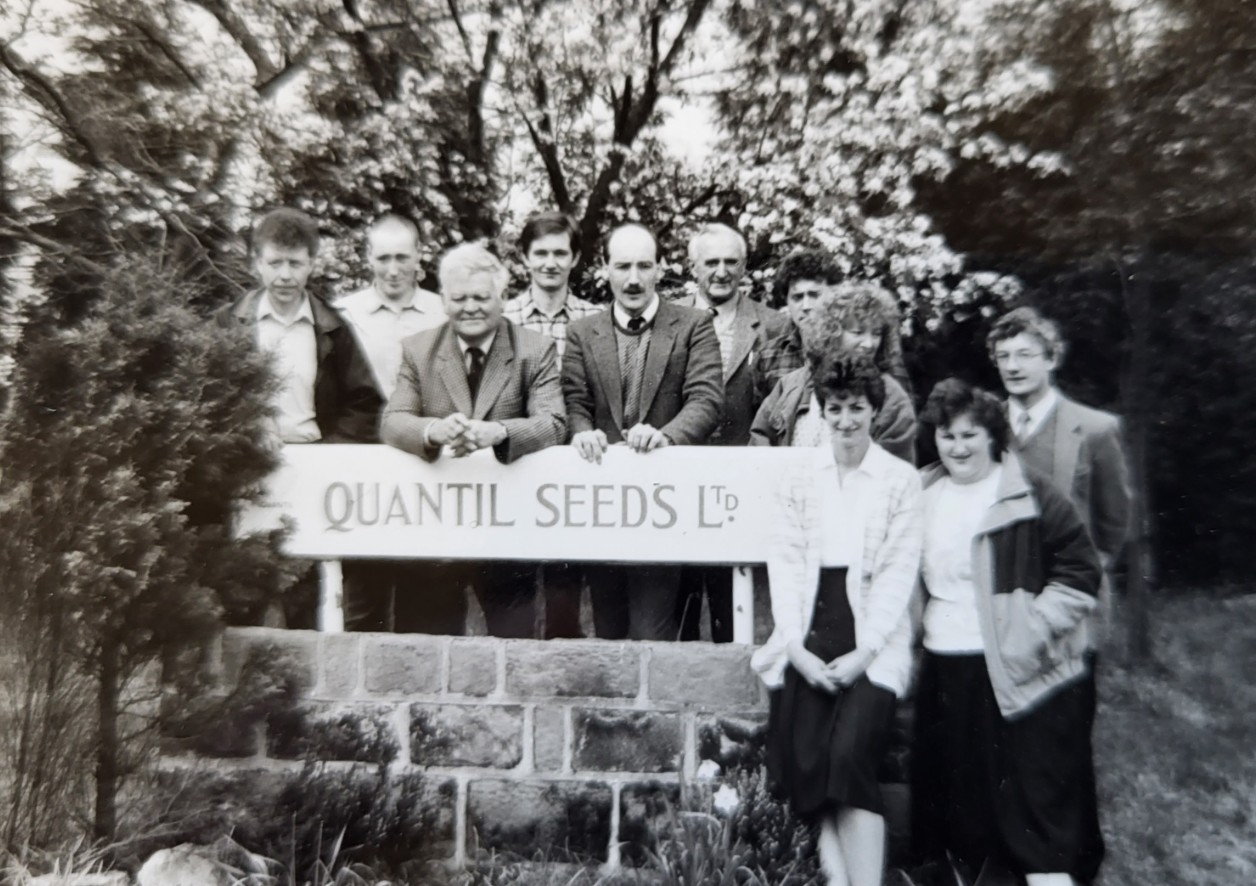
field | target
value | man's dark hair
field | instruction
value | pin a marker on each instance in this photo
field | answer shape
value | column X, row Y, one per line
column 286, row 228
column 850, row 375
column 809, row 265
column 954, row 398
column 544, row 224
column 1033, row 324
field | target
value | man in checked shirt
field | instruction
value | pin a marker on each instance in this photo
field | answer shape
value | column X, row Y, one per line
column 548, row 244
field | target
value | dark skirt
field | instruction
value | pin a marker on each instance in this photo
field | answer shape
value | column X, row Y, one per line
column 823, row 749
column 1020, row 792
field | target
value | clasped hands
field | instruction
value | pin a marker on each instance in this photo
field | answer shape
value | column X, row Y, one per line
column 639, row 438
column 835, row 675
column 465, row 435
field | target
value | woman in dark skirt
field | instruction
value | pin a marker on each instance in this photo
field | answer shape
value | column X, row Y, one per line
column 1002, row 771
column 845, row 556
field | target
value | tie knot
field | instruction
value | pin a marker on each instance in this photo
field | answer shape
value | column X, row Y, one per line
column 636, row 324
column 475, row 353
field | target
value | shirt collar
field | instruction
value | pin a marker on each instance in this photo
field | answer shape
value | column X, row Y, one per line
column 305, row 312
column 1037, row 413
column 485, row 347
column 622, row 318
column 724, row 310
column 875, row 461
column 377, row 302
column 528, row 306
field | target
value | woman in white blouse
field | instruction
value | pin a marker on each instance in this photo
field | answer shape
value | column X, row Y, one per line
column 845, row 555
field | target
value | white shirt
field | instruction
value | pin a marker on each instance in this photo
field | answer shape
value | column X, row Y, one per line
column 294, row 344
column 622, row 317
column 379, row 324
column 953, row 512
column 1037, row 414
column 843, row 503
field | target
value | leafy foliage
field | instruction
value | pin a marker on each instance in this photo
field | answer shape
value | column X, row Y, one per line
column 128, row 438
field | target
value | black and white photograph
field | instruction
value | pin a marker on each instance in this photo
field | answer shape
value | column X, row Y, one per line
column 627, row 442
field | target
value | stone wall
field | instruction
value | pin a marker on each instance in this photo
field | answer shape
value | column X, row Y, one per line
column 508, row 745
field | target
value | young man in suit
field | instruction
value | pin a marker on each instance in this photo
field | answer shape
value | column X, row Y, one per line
column 744, row 327
column 648, row 374
column 475, row 382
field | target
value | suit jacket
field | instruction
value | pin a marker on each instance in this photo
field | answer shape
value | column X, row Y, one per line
column 754, row 327
column 682, row 393
column 1089, row 467
column 346, row 402
column 519, row 388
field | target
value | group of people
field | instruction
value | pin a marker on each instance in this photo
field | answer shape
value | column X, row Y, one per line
column 994, row 559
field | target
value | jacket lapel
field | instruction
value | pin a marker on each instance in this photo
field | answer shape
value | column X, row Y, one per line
column 662, row 339
column 496, row 370
column 1068, row 443
column 325, row 320
column 452, row 372
column 606, row 364
column 745, row 330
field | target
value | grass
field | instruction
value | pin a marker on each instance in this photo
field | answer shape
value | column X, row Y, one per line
column 1175, row 748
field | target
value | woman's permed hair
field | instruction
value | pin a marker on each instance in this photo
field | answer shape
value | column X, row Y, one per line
column 954, row 398
column 850, row 375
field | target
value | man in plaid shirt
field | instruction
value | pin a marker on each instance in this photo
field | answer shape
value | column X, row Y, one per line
column 548, row 244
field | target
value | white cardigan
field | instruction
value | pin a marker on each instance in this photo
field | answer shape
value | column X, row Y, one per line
column 879, row 581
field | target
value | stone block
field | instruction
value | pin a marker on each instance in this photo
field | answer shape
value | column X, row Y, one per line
column 402, row 665
column 339, row 661
column 732, row 741
column 427, row 805
column 273, row 652
column 466, row 735
column 354, row 733
column 705, row 675
column 557, row 819
column 572, row 669
column 473, row 666
column 647, row 811
column 548, row 738
column 626, row 741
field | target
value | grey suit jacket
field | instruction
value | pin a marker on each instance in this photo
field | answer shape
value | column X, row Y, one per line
column 520, row 388
column 682, row 393
column 754, row 327
column 1090, row 468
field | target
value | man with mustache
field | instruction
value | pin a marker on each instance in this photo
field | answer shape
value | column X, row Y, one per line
column 647, row 374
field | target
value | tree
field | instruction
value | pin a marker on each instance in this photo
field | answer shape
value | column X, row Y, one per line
column 128, row 436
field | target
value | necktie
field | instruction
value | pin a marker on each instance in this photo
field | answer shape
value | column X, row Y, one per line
column 475, row 369
column 1022, row 426
column 631, row 371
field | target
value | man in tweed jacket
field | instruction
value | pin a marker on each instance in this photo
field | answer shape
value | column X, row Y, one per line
column 475, row 382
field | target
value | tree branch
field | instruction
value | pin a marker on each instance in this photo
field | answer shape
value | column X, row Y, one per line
column 267, row 70
column 45, row 92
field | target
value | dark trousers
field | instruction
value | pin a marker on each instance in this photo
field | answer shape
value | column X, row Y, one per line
column 716, row 583
column 427, row 597
column 406, row 596
column 635, row 602
column 561, row 586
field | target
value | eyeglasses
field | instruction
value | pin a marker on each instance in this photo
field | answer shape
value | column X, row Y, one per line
column 1003, row 357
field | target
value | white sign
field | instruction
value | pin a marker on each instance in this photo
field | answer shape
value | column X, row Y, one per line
column 687, row 504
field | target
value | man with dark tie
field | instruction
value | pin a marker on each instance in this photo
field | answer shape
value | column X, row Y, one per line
column 475, row 382
column 744, row 327
column 647, row 374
